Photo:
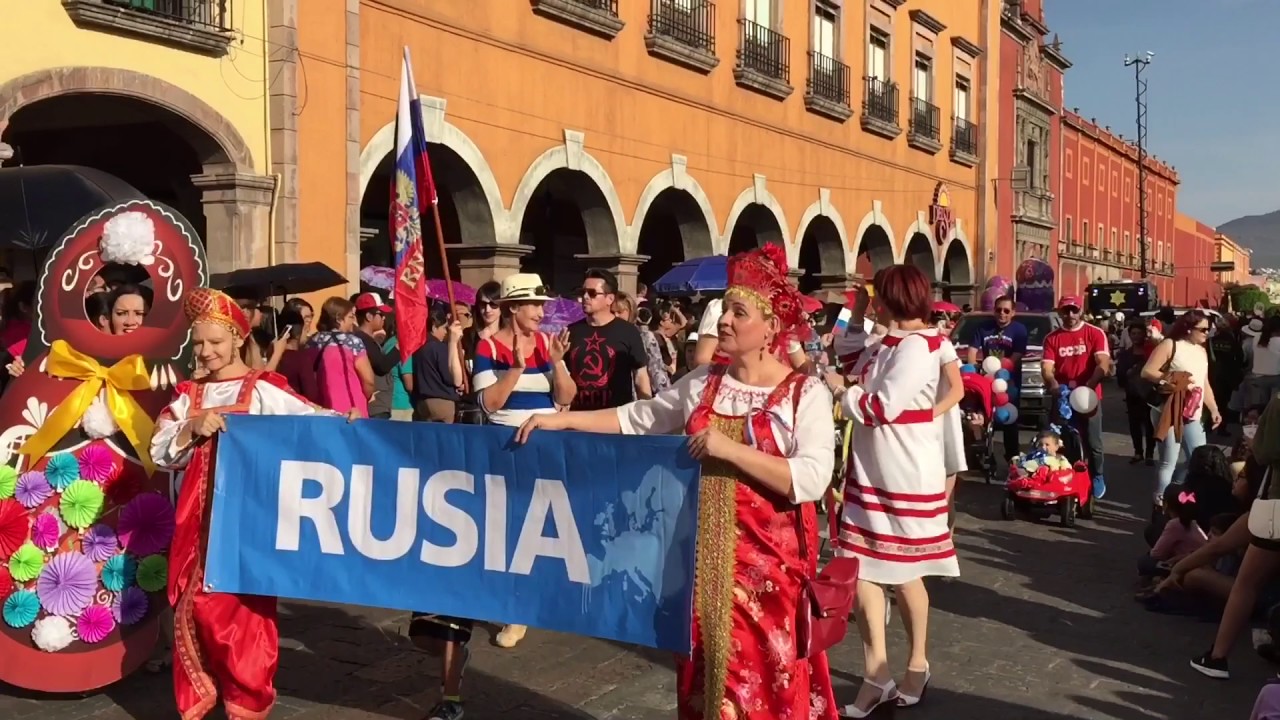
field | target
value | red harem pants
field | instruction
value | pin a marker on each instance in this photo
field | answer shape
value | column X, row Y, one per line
column 228, row 644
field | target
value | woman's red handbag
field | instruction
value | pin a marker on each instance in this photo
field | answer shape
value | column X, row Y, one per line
column 822, row 615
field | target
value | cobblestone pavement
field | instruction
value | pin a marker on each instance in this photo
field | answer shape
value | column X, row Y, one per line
column 1040, row 627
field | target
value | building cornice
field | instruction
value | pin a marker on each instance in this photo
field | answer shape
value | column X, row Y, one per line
column 927, row 21
column 1014, row 27
column 965, row 46
column 1053, row 53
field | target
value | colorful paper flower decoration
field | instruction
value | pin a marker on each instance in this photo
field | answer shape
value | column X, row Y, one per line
column 146, row 524
column 130, row 606
column 67, row 584
column 62, row 470
column 8, row 481
column 99, row 543
column 153, row 573
column 14, row 526
column 95, row 624
column 52, row 633
column 32, row 489
column 46, row 532
column 21, row 609
column 119, row 572
column 81, row 504
column 97, row 464
column 26, row 563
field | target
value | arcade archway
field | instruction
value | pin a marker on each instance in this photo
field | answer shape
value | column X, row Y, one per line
column 673, row 229
column 875, row 251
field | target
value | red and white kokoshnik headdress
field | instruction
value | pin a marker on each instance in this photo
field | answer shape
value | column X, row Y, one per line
column 760, row 276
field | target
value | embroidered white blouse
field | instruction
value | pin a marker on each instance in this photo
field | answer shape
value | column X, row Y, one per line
column 267, row 399
column 806, row 434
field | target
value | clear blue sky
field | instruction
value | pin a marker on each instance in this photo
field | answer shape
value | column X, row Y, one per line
column 1213, row 95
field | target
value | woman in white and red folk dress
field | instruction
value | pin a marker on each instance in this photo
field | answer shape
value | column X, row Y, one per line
column 766, row 439
column 895, row 501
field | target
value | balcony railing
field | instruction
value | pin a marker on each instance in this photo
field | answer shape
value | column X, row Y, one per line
column 691, row 23
column 880, row 100
column 828, row 79
column 964, row 137
column 604, row 6
column 764, row 51
column 209, row 14
column 924, row 119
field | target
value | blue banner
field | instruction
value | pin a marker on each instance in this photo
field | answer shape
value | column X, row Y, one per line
column 581, row 533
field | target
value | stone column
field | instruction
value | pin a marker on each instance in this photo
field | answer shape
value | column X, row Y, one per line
column 478, row 264
column 626, row 267
column 237, row 212
column 283, row 111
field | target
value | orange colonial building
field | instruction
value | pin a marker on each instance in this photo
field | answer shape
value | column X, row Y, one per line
column 1194, row 248
column 1098, row 236
column 1228, row 250
column 633, row 134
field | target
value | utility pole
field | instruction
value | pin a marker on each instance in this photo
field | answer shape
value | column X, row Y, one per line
column 1139, row 64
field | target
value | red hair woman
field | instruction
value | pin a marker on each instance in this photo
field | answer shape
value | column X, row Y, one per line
column 895, row 509
column 765, row 435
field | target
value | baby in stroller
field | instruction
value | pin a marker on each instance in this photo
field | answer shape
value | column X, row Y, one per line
column 979, row 427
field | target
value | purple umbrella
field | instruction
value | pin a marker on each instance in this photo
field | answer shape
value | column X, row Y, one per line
column 560, row 313
column 383, row 278
column 437, row 290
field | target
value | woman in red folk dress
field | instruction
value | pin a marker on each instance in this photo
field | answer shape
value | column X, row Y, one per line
column 222, row 642
column 767, row 442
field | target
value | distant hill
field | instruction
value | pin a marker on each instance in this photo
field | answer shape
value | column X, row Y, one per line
column 1259, row 233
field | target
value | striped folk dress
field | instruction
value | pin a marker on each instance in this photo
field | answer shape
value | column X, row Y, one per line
column 895, row 503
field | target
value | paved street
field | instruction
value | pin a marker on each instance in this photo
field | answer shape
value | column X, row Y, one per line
column 1040, row 627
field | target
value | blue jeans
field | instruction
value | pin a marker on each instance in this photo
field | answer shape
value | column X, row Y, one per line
column 1174, row 455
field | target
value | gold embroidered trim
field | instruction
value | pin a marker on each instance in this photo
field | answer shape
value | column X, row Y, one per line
column 187, row 649
column 751, row 296
column 235, row 712
column 714, row 567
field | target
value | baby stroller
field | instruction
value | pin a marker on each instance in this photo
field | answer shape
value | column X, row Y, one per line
column 979, row 426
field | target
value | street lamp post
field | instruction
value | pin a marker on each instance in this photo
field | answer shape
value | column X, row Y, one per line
column 1140, row 63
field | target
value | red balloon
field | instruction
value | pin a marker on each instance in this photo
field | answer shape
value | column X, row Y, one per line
column 1001, row 399
column 1006, row 363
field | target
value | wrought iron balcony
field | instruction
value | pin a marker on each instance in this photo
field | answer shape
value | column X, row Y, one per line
column 827, row 91
column 204, row 26
column 764, row 59
column 924, row 132
column 964, row 142
column 880, row 107
column 599, row 17
column 683, row 32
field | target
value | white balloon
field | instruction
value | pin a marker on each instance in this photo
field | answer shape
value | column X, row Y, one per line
column 1084, row 400
column 998, row 385
column 1119, row 318
column 991, row 365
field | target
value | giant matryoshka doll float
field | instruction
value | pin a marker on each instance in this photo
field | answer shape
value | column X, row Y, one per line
column 85, row 517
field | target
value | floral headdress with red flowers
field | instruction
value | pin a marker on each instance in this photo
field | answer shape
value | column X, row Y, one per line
column 205, row 305
column 760, row 276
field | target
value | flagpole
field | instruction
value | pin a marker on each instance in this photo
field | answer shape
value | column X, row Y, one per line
column 444, row 256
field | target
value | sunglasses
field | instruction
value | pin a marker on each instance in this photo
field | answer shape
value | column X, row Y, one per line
column 488, row 304
column 591, row 293
column 1069, row 311
column 541, row 290
column 1004, row 311
column 1201, row 328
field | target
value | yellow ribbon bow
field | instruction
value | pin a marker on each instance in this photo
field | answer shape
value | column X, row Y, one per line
column 127, row 375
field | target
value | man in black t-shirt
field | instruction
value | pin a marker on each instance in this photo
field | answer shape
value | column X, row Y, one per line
column 606, row 355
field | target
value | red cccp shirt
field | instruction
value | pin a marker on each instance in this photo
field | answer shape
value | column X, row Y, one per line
column 1074, row 353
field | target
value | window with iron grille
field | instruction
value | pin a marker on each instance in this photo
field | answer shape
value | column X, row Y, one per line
column 213, row 14
column 691, row 23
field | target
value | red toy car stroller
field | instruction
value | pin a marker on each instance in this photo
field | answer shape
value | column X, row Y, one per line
column 1045, row 490
column 979, row 426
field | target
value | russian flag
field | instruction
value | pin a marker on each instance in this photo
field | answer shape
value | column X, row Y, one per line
column 413, row 191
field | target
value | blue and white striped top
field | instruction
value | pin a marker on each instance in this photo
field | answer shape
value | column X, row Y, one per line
column 532, row 394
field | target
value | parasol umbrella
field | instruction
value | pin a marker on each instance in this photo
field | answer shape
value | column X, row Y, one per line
column 560, row 313
column 946, row 307
column 376, row 276
column 438, row 290
column 39, row 203
column 273, row 280
column 705, row 274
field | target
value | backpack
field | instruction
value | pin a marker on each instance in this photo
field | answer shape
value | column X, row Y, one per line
column 336, row 377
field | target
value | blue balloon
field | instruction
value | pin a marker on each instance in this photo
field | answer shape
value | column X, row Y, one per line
column 1002, row 415
column 1003, row 374
column 1014, row 391
column 967, row 369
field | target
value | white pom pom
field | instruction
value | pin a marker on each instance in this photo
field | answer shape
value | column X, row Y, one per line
column 128, row 238
column 52, row 633
column 97, row 421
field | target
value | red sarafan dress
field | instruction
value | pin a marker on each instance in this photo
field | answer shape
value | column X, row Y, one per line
column 223, row 643
column 748, row 583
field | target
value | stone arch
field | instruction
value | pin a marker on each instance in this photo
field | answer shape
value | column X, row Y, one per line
column 833, row 253
column 923, row 228
column 677, row 178
column 482, row 203
column 956, row 268
column 757, row 205
column 875, row 240
column 210, row 134
column 607, row 232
